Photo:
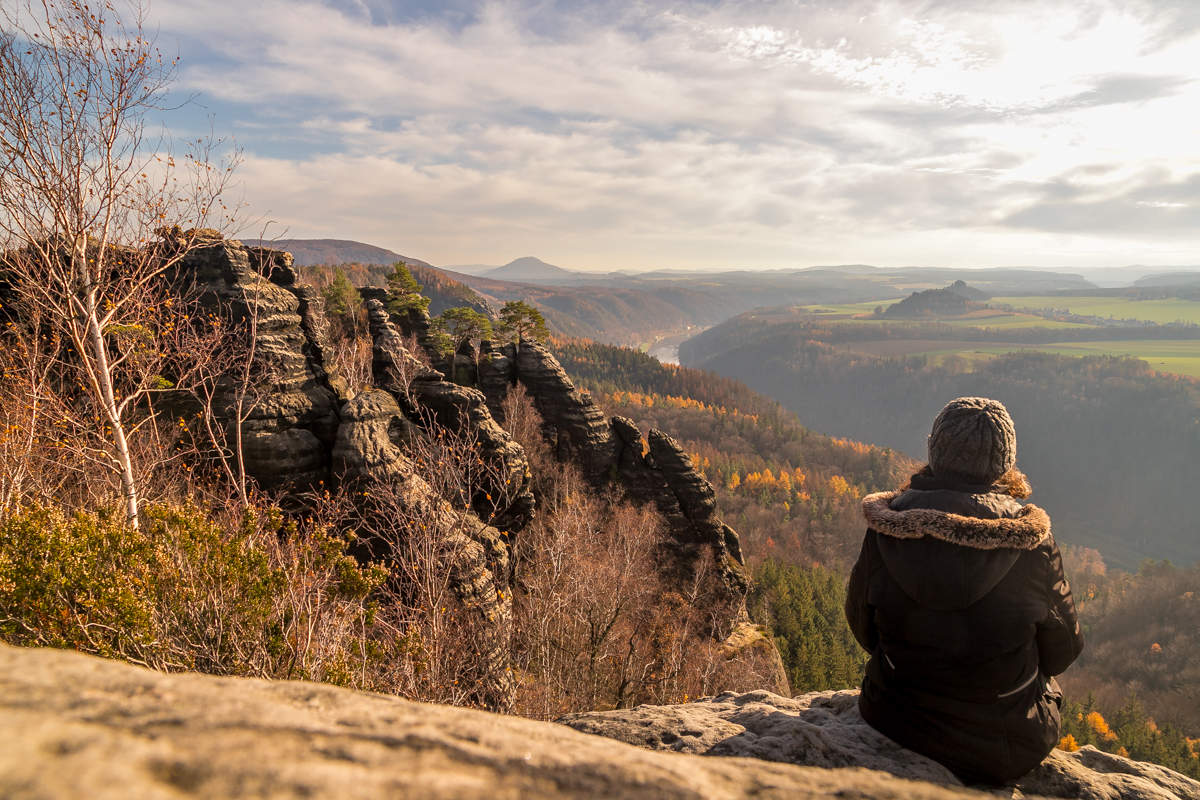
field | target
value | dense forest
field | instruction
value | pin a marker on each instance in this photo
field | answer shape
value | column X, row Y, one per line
column 1109, row 445
column 1141, row 640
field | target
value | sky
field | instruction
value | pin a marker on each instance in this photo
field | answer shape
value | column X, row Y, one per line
column 761, row 134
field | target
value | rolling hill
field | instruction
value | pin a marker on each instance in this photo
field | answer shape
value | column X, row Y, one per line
column 309, row 252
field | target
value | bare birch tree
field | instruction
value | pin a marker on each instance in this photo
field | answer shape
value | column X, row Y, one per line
column 83, row 188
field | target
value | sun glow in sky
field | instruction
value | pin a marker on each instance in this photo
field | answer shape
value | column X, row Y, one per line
column 648, row 134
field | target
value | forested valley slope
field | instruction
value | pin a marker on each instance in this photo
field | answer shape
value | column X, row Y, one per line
column 1110, row 445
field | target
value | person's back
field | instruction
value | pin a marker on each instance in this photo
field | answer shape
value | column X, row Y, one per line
column 959, row 595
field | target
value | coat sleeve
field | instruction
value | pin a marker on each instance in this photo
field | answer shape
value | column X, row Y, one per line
column 1059, row 638
column 859, row 613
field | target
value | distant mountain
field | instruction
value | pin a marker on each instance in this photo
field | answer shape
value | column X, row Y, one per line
column 932, row 303
column 338, row 251
column 528, row 269
column 849, row 269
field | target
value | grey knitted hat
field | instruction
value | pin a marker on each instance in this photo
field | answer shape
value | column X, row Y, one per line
column 973, row 441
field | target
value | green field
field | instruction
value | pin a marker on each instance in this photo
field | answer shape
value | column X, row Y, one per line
column 837, row 312
column 1181, row 356
column 1014, row 321
column 1160, row 311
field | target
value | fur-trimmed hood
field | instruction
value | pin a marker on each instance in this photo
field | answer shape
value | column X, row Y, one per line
column 1026, row 531
column 945, row 560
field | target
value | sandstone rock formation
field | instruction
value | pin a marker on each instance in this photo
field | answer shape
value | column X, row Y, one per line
column 304, row 430
column 291, row 419
column 578, row 428
column 502, row 497
column 75, row 726
column 824, row 729
column 660, row 472
column 578, row 431
column 370, row 458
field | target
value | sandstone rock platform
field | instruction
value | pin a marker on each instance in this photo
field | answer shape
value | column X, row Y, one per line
column 74, row 726
column 824, row 729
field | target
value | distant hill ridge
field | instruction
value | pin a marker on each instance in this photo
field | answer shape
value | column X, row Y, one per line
column 1169, row 279
column 309, row 252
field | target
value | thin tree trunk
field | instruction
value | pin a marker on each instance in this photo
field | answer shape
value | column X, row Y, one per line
column 124, row 460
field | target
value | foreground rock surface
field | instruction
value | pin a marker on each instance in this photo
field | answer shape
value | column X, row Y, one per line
column 824, row 729
column 75, row 726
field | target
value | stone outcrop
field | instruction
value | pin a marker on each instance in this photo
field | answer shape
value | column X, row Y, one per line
column 305, row 430
column 576, row 426
column 292, row 419
column 371, row 440
column 76, row 726
column 824, row 729
column 753, row 643
column 660, row 473
column 698, row 502
column 370, row 457
column 498, row 374
column 502, row 497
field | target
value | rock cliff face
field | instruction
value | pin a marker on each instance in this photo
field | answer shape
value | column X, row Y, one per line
column 371, row 458
column 291, row 418
column 303, row 431
column 502, row 497
column 824, row 729
column 577, row 427
column 75, row 726
column 659, row 472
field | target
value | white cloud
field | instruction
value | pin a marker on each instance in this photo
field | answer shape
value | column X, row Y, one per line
column 770, row 133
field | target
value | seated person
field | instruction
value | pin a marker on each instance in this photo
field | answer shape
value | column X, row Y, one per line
column 959, row 596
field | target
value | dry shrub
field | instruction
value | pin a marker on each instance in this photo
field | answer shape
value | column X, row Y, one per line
column 432, row 642
column 598, row 623
column 351, row 357
column 443, row 631
column 523, row 422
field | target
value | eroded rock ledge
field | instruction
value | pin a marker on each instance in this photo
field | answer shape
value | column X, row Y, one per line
column 824, row 729
column 76, row 726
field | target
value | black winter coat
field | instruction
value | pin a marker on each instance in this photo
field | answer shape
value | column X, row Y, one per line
column 960, row 599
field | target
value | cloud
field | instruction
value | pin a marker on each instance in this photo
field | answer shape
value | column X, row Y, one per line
column 892, row 131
